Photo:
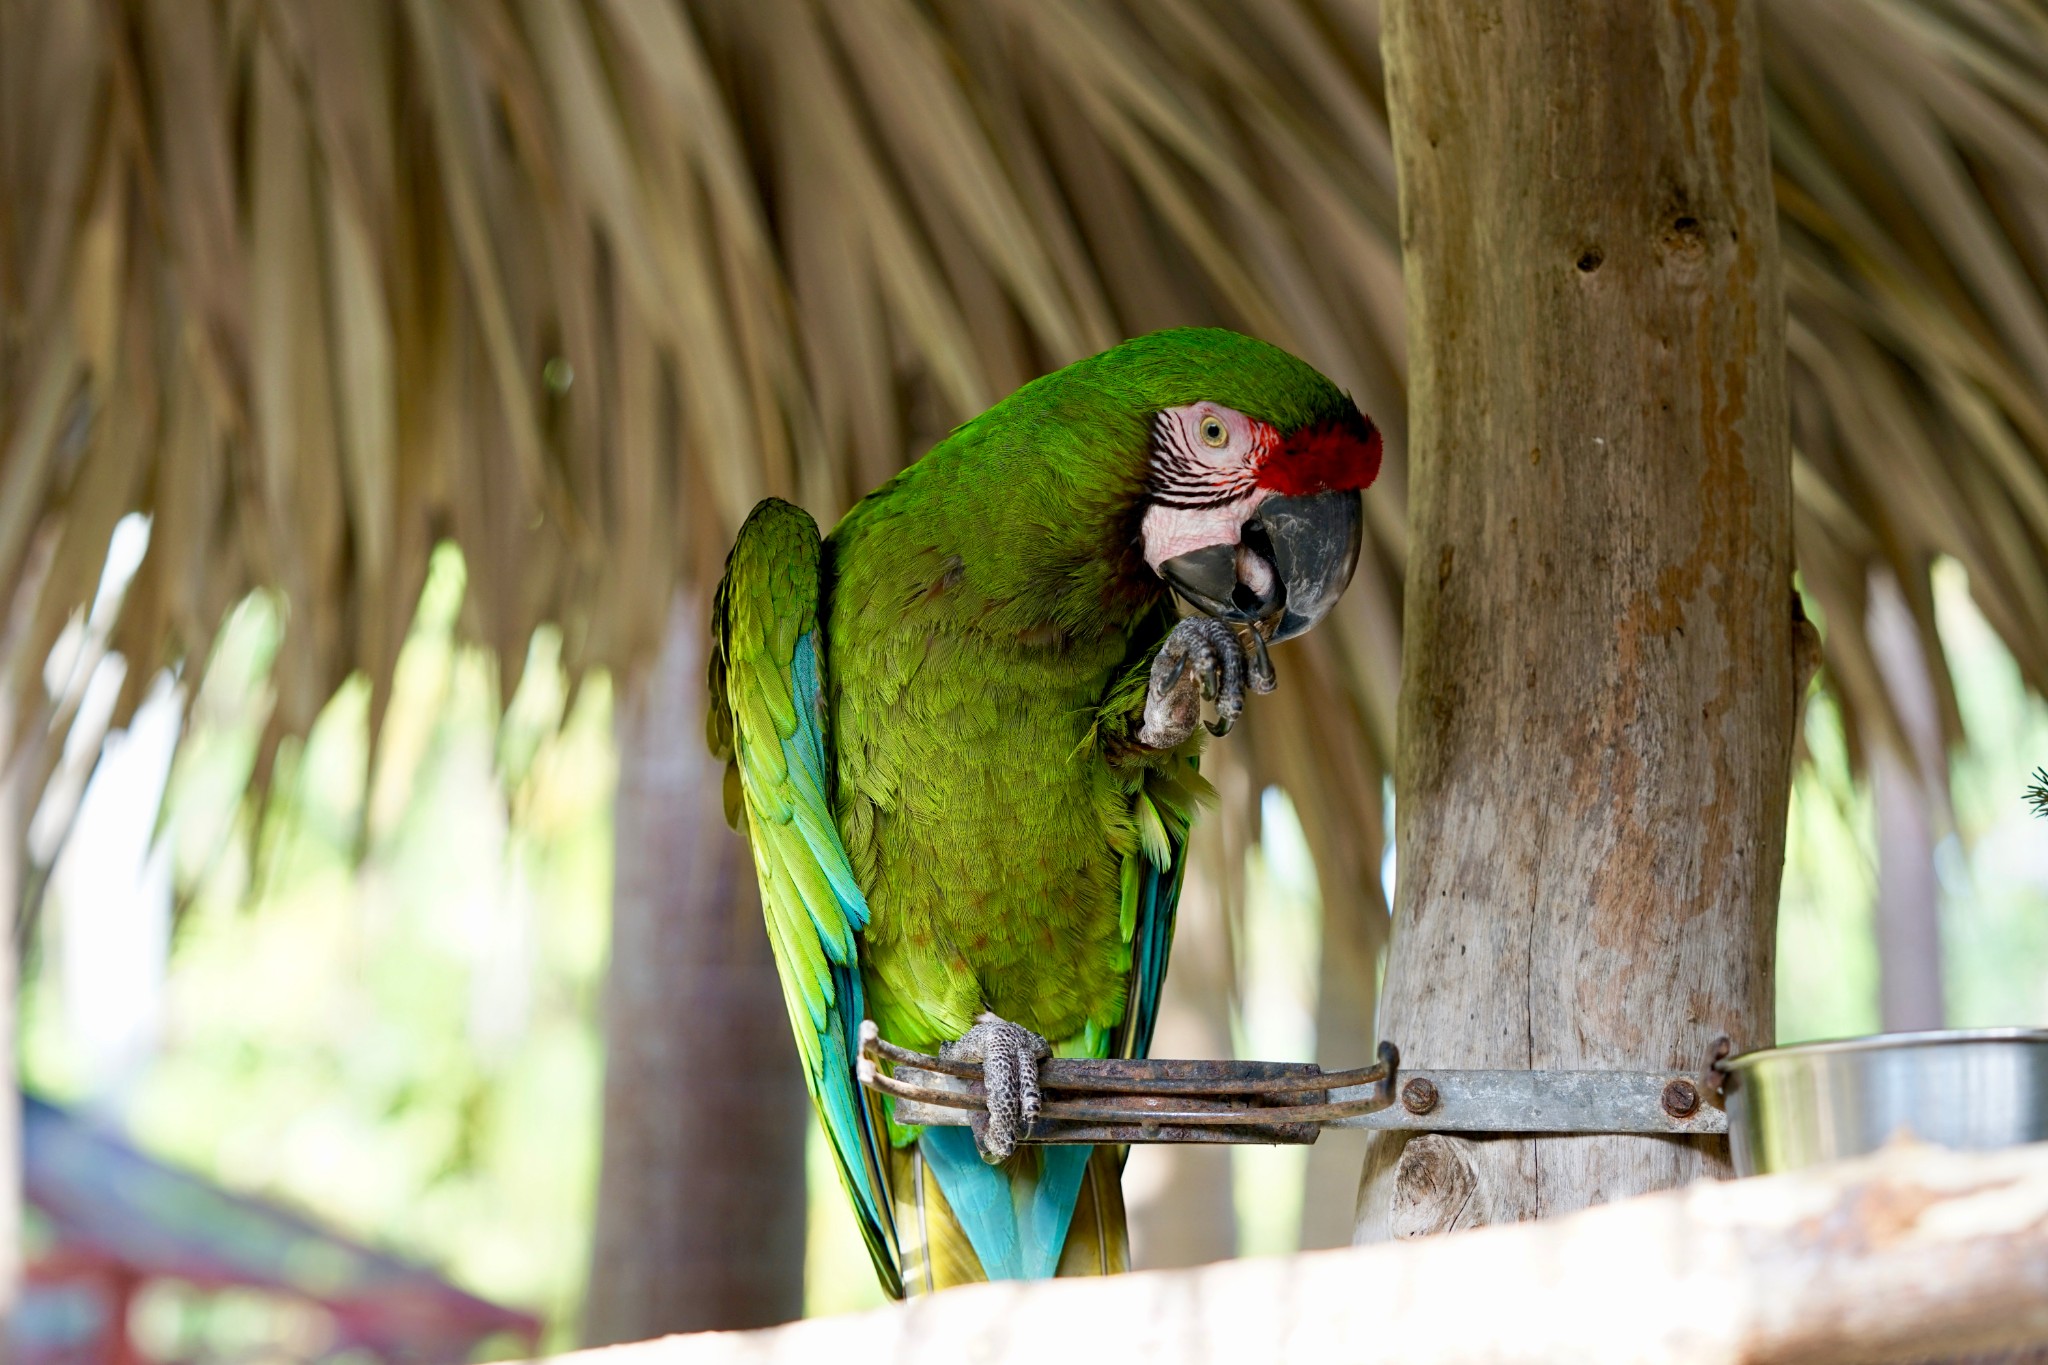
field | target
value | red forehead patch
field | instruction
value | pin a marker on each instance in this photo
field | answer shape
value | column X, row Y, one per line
column 1336, row 454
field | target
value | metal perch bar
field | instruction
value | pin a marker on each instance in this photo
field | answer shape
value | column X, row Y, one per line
column 1141, row 1076
column 1143, row 1100
column 1168, row 1100
column 970, row 1099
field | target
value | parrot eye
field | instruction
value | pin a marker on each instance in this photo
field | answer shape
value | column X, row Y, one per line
column 1213, row 432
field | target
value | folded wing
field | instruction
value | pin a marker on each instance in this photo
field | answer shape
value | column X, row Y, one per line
column 768, row 718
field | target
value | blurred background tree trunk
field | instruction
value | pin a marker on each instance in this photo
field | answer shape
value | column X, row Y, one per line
column 1597, row 700
column 701, row 1199
column 1909, row 788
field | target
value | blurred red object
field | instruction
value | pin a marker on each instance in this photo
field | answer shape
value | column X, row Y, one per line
column 119, row 1220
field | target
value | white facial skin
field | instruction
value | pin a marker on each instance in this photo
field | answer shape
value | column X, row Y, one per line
column 1204, row 452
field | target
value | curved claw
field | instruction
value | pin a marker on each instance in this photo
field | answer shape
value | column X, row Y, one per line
column 1260, row 670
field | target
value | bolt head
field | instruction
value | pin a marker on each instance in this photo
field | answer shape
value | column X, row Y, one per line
column 1418, row 1095
column 1681, row 1099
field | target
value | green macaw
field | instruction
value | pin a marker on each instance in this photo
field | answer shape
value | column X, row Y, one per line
column 963, row 733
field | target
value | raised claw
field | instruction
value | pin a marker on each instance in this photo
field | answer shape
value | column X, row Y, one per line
column 1009, row 1055
column 1227, row 657
column 1259, row 672
column 1221, row 670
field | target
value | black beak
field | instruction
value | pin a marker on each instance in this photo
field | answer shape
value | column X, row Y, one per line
column 1291, row 562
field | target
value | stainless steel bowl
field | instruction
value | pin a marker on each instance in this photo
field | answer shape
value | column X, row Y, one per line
column 1797, row 1106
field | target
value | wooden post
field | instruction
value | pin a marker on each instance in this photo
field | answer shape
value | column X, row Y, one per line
column 1596, row 714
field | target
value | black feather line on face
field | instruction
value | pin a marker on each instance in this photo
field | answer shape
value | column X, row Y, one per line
column 1180, row 478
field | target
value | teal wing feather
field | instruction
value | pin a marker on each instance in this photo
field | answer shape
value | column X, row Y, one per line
column 768, row 717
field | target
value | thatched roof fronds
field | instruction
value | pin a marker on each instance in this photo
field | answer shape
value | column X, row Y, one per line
column 1911, row 144
column 575, row 281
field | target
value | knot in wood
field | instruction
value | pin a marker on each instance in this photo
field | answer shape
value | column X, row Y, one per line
column 1684, row 243
column 1435, row 1188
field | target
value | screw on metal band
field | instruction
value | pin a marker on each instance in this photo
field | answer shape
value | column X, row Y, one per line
column 1418, row 1095
column 1681, row 1099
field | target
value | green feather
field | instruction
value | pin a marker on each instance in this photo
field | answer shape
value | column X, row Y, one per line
column 1127, row 899
column 1152, row 833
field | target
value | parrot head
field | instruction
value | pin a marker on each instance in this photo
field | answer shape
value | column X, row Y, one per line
column 1249, row 523
column 1251, row 506
column 1194, row 460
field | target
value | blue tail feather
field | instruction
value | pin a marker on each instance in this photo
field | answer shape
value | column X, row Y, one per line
column 1016, row 1215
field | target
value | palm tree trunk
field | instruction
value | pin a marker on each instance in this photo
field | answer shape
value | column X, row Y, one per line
column 1597, row 692
column 701, row 1200
column 1909, row 790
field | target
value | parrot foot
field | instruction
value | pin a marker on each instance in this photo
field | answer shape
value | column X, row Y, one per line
column 1223, row 668
column 1009, row 1055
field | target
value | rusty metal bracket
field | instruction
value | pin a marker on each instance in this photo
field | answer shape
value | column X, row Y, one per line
column 1163, row 1100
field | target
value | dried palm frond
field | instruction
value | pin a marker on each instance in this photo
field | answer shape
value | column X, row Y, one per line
column 1910, row 139
column 574, row 282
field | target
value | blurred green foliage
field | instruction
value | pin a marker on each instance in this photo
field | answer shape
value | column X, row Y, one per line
column 1992, row 865
column 1994, row 869
column 402, row 1046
